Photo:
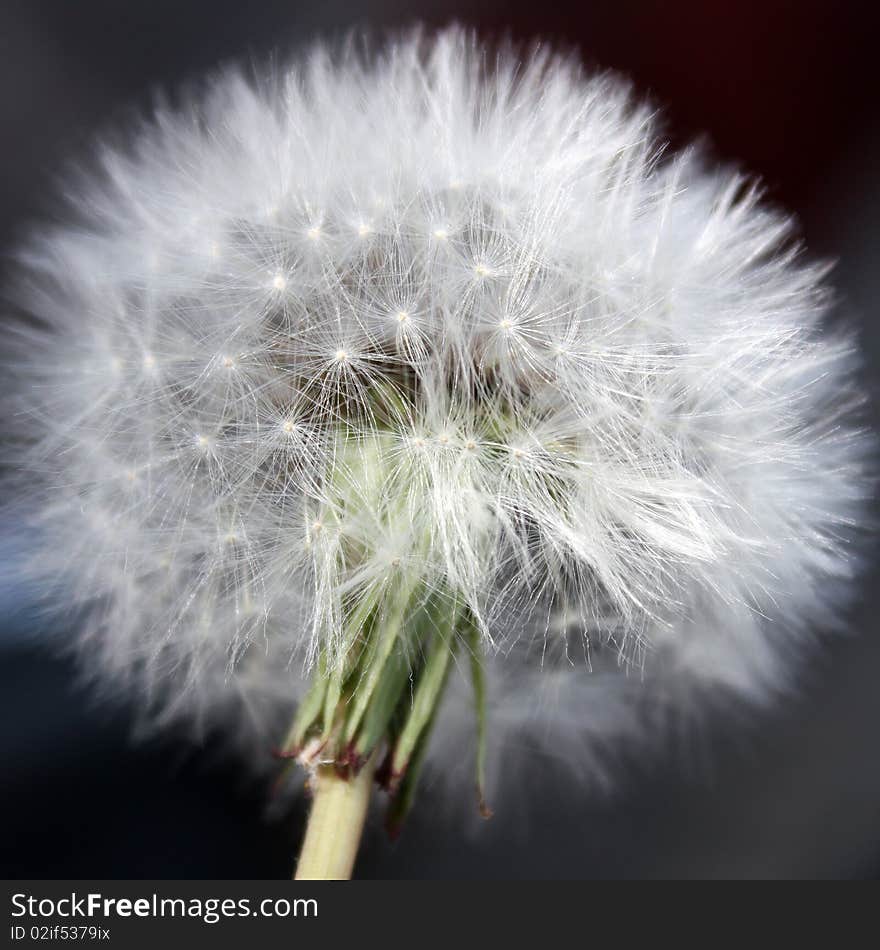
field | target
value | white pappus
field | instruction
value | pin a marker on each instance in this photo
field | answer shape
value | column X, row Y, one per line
column 442, row 321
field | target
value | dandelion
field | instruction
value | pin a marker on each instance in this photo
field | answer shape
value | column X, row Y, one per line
column 409, row 410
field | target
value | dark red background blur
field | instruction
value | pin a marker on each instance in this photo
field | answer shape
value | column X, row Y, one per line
column 789, row 91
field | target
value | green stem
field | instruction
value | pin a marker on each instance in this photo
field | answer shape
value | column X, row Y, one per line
column 336, row 823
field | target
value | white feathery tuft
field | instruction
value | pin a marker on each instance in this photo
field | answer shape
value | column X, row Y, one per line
column 429, row 312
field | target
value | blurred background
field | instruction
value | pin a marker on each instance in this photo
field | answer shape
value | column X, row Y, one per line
column 789, row 90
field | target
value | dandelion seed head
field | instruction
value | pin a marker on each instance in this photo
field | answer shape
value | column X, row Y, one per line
column 585, row 390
